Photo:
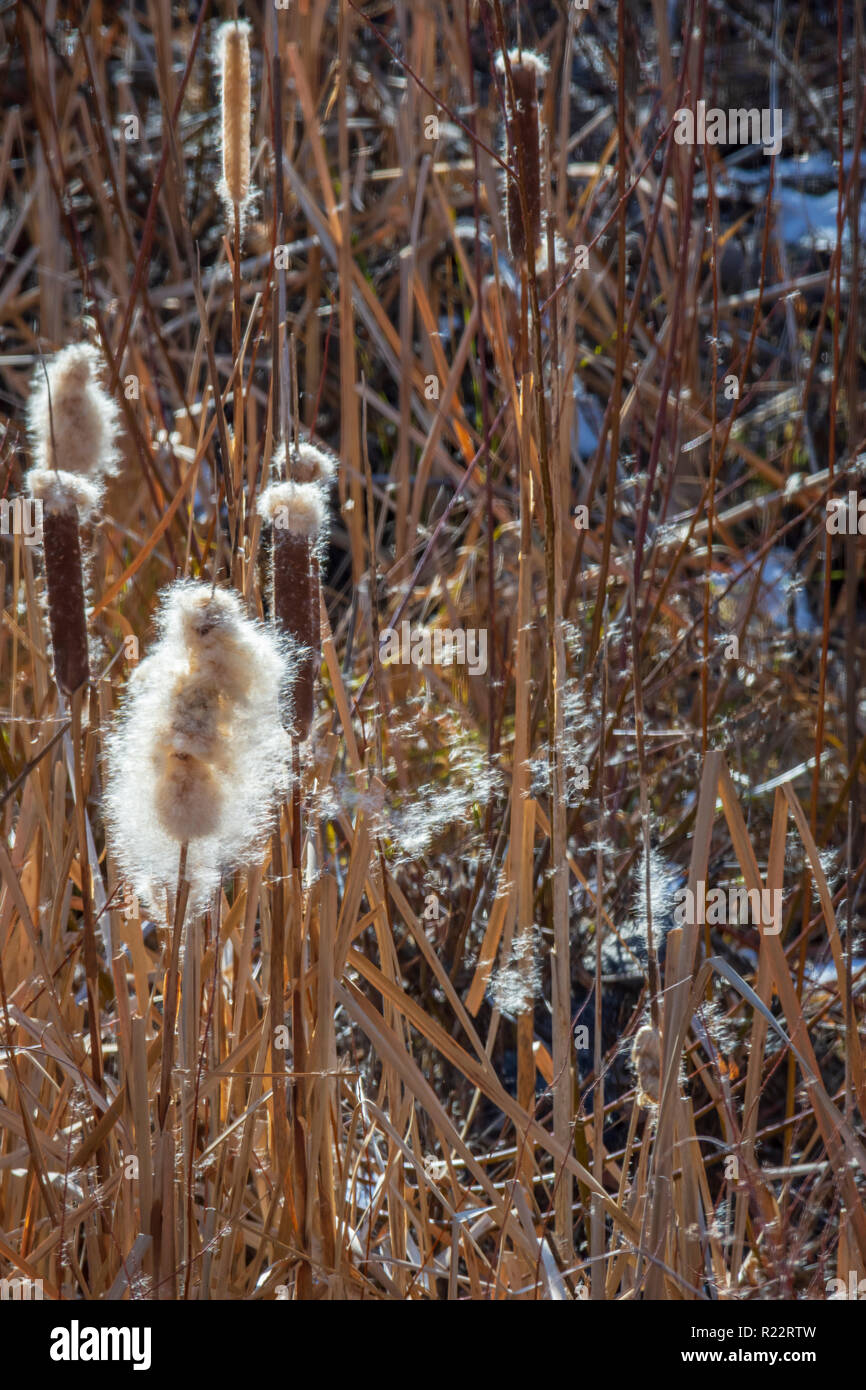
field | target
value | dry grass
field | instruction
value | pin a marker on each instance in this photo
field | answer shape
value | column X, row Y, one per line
column 374, row 1090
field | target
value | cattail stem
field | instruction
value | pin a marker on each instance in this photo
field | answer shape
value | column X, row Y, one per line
column 299, row 1062
column 66, row 608
column 91, row 962
column 238, row 414
column 91, row 959
column 277, row 1006
column 169, row 1010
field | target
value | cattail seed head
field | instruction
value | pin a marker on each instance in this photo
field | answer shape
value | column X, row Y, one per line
column 646, row 1060
column 198, row 718
column 297, row 515
column 233, row 40
column 73, row 425
column 296, row 508
column 523, row 150
column 198, row 754
column 71, row 419
column 187, row 796
column 310, row 464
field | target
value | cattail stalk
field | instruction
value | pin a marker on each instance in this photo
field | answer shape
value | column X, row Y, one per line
column 72, row 424
column 169, row 1011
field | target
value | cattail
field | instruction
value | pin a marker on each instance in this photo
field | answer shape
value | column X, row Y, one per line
column 296, row 512
column 646, row 1060
column 523, row 150
column 198, row 755
column 73, row 423
column 233, row 41
column 64, row 576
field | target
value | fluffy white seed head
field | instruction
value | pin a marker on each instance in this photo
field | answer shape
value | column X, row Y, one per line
column 59, row 491
column 311, row 464
column 198, row 753
column 71, row 419
column 523, row 58
column 211, row 627
column 296, row 507
column 314, row 464
column 187, row 797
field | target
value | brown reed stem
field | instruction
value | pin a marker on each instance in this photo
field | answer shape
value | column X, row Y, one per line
column 169, row 1013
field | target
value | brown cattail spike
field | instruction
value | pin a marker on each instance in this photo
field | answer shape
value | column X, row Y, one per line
column 296, row 512
column 294, row 594
column 67, row 614
column 524, row 153
column 234, row 51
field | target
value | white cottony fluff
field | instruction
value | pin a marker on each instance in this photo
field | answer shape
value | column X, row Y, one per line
column 198, row 753
column 296, row 507
column 310, row 463
column 525, row 58
column 60, row 490
column 73, row 411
